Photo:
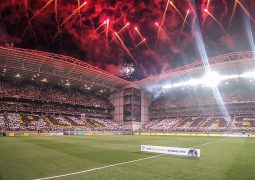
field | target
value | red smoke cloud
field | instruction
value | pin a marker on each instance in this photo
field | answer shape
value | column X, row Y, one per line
column 25, row 23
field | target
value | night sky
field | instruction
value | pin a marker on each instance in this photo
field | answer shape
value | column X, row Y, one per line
column 46, row 25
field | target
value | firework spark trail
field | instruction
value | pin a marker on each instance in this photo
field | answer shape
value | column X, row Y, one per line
column 139, row 33
column 107, row 33
column 164, row 15
column 245, row 11
column 162, row 22
column 56, row 14
column 193, row 15
column 232, row 15
column 208, row 3
column 121, row 30
column 183, row 24
column 140, row 43
column 79, row 11
column 29, row 26
column 141, row 36
column 222, row 28
column 160, row 28
column 124, row 46
column 100, row 25
column 124, row 27
column 27, row 14
column 176, row 9
column 73, row 14
column 26, row 7
column 68, row 19
column 80, row 23
column 225, row 12
column 39, row 11
column 56, row 11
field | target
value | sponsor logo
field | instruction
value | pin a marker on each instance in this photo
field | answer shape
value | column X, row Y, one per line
column 192, row 153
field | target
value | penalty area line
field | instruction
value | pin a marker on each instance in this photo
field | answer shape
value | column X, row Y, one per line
column 112, row 165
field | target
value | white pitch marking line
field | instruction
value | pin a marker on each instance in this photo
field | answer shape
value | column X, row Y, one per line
column 117, row 164
column 207, row 143
column 103, row 167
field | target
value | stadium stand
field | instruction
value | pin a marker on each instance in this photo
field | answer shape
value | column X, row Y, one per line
column 36, row 92
column 35, row 122
column 189, row 110
column 196, row 124
column 29, row 106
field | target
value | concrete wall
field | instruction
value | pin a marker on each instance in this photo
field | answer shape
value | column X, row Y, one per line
column 117, row 100
column 145, row 103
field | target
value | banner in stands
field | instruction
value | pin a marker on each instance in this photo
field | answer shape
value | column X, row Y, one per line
column 171, row 150
column 193, row 134
column 12, row 134
column 175, row 134
column 236, row 135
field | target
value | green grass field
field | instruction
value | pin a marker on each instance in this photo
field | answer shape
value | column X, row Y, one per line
column 38, row 157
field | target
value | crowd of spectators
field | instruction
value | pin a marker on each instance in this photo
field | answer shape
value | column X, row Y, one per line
column 49, row 93
column 77, row 121
column 201, row 124
column 2, row 122
column 204, row 111
column 45, row 122
column 108, row 124
column 190, row 98
column 13, row 122
column 51, row 108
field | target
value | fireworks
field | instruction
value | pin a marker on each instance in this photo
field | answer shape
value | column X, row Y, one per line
column 140, row 42
column 245, row 11
column 107, row 32
column 83, row 28
column 56, row 11
column 123, row 45
column 128, row 69
column 124, row 27
column 39, row 11
column 164, row 15
column 100, row 25
column 162, row 21
column 184, row 21
column 141, row 36
column 208, row 3
column 73, row 14
column 26, row 7
column 79, row 11
column 160, row 28
column 176, row 9
column 139, row 32
column 220, row 25
column 232, row 15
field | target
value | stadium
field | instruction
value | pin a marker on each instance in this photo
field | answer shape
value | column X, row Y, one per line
column 87, row 93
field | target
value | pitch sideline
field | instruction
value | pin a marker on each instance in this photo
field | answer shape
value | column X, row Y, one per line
column 117, row 164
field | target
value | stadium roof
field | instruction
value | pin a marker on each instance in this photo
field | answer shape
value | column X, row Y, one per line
column 236, row 62
column 57, row 69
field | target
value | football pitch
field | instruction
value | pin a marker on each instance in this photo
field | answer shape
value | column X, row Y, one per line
column 119, row 158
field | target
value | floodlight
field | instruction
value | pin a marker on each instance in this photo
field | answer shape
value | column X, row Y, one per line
column 248, row 75
column 211, row 79
column 233, row 76
column 168, row 86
